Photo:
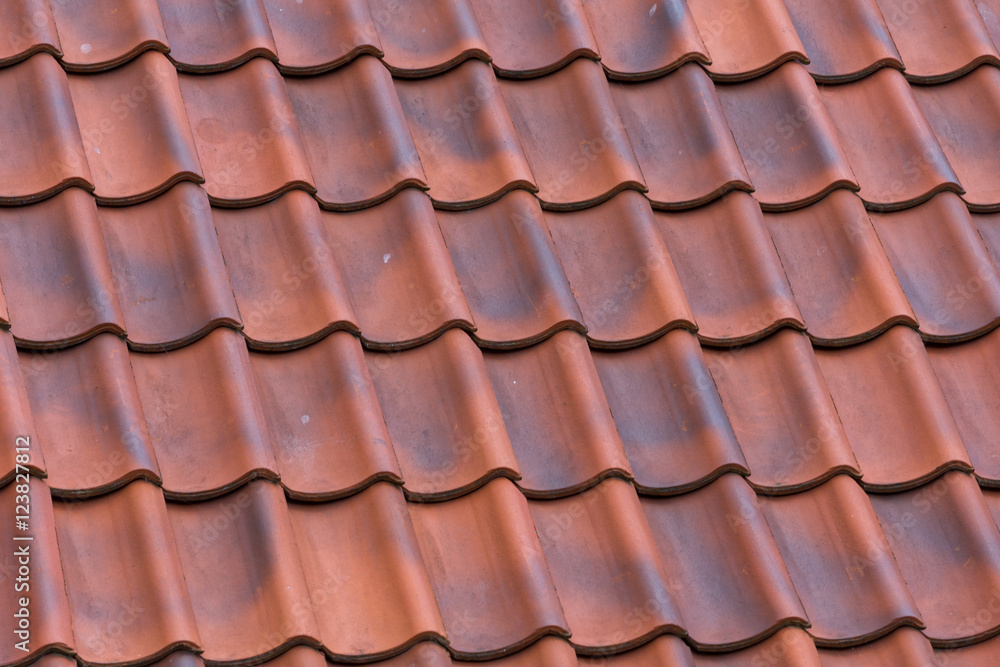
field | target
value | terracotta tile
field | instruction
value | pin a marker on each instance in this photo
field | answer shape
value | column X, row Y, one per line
column 488, row 571
column 843, row 282
column 788, row 141
column 970, row 382
column 572, row 136
column 782, row 413
column 42, row 152
column 316, row 37
column 246, row 133
column 944, row 268
column 669, row 415
column 938, row 40
column 982, row 654
column 203, row 416
column 169, row 270
column 989, row 11
column 243, row 573
column 844, row 45
column 550, row 651
column 206, row 37
column 106, row 33
column 467, row 145
column 125, row 116
column 638, row 41
column 48, row 606
column 891, row 147
column 528, row 38
column 126, row 589
column 324, row 419
column 355, row 135
column 382, row 561
column 398, row 274
column 287, row 283
column 86, row 396
column 425, row 654
column 510, row 273
column 556, row 415
column 893, row 411
column 297, row 656
column 834, row 549
column 54, row 660
column 620, row 271
column 664, row 651
column 681, row 138
column 789, row 647
column 16, row 420
column 445, row 424
column 730, row 271
column 963, row 114
column 745, row 38
column 730, row 585
column 31, row 29
column 905, row 646
column 55, row 272
column 988, row 225
column 427, row 37
column 948, row 549
column 601, row 591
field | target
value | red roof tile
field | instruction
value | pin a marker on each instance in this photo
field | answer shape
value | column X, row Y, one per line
column 30, row 29
column 207, row 37
column 316, row 37
column 106, row 33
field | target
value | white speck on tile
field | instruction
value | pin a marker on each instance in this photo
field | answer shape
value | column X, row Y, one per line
column 97, row 149
column 385, row 258
column 652, row 10
column 305, row 419
column 86, row 47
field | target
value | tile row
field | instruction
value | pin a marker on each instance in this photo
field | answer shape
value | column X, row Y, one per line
column 165, row 272
column 446, row 417
column 572, row 137
column 252, row 574
column 733, row 39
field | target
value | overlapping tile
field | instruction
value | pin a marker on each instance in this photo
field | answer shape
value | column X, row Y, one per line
column 106, row 33
column 31, row 29
column 905, row 646
column 313, row 38
column 206, row 37
column 17, row 421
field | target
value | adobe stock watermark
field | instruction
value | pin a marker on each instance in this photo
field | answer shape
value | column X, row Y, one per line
column 22, row 544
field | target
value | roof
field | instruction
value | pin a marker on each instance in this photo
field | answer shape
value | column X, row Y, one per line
column 562, row 332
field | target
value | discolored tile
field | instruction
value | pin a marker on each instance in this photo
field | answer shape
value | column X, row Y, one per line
column 892, row 149
column 938, row 40
column 669, row 415
column 893, row 411
column 446, row 427
column 746, row 39
column 787, row 139
column 620, row 271
column 243, row 573
column 31, row 29
column 355, row 135
column 484, row 560
column 121, row 566
column 397, row 272
column 681, row 138
column 599, row 593
column 42, row 152
column 510, row 273
column 286, row 281
column 85, row 405
column 664, row 651
column 527, row 38
column 208, row 37
column 963, row 114
column 729, row 270
column 789, row 647
column 203, row 416
column 169, row 271
column 316, row 37
column 904, row 646
column 16, row 420
column 427, row 37
column 836, row 554
column 324, row 419
column 55, row 272
column 556, row 415
column 246, row 133
column 782, row 413
column 370, row 594
column 465, row 139
column 948, row 550
column 842, row 280
column 845, row 44
column 106, row 33
column 944, row 268
column 638, row 40
column 571, row 134
column 731, row 586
